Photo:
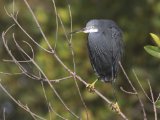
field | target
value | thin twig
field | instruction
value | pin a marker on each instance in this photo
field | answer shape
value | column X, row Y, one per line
column 20, row 61
column 61, row 79
column 129, row 81
column 55, row 10
column 57, row 113
column 132, row 93
column 38, row 25
column 30, row 112
column 73, row 59
column 45, row 96
column 16, row 62
column 7, row 73
column 34, row 41
column 21, row 68
column 19, row 104
column 141, row 85
column 41, row 71
column 30, row 48
column 157, row 98
column 49, row 105
column 135, row 91
column 153, row 101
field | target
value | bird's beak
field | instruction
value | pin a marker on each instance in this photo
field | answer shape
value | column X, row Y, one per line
column 77, row 31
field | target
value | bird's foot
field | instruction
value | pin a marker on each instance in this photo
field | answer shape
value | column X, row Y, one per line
column 115, row 107
column 91, row 87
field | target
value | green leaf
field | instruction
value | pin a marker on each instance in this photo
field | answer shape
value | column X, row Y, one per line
column 155, row 38
column 158, row 104
column 153, row 50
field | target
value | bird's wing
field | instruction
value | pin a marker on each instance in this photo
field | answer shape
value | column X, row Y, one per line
column 104, row 51
column 117, row 39
column 117, row 47
column 100, row 54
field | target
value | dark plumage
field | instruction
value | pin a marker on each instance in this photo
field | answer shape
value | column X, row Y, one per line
column 105, row 48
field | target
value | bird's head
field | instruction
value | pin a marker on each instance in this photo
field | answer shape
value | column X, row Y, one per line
column 96, row 25
column 91, row 27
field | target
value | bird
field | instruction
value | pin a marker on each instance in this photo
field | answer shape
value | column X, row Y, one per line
column 105, row 48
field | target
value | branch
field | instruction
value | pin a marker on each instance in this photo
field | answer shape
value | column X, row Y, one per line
column 50, row 108
column 141, row 86
column 36, row 65
column 135, row 91
column 153, row 101
column 20, row 104
column 132, row 93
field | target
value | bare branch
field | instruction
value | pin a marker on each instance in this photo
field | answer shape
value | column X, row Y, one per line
column 141, row 85
column 6, row 73
column 30, row 112
column 56, row 113
column 135, row 91
column 49, row 105
column 41, row 71
column 7, row 29
column 39, row 27
column 14, row 59
column 83, row 81
column 153, row 101
column 56, row 14
column 73, row 59
column 30, row 48
column 132, row 93
column 61, row 79
column 34, row 41
column 7, row 12
column 19, row 104
column 157, row 98
column 35, row 64
column 26, row 61
column 45, row 96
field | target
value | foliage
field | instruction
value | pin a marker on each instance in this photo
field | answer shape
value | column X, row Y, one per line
column 153, row 50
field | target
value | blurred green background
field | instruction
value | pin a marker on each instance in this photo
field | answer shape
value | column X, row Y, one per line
column 137, row 18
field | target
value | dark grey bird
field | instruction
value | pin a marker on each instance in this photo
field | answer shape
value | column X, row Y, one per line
column 105, row 47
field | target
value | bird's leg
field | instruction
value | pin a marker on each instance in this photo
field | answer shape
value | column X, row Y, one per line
column 113, row 84
column 114, row 91
column 91, row 87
